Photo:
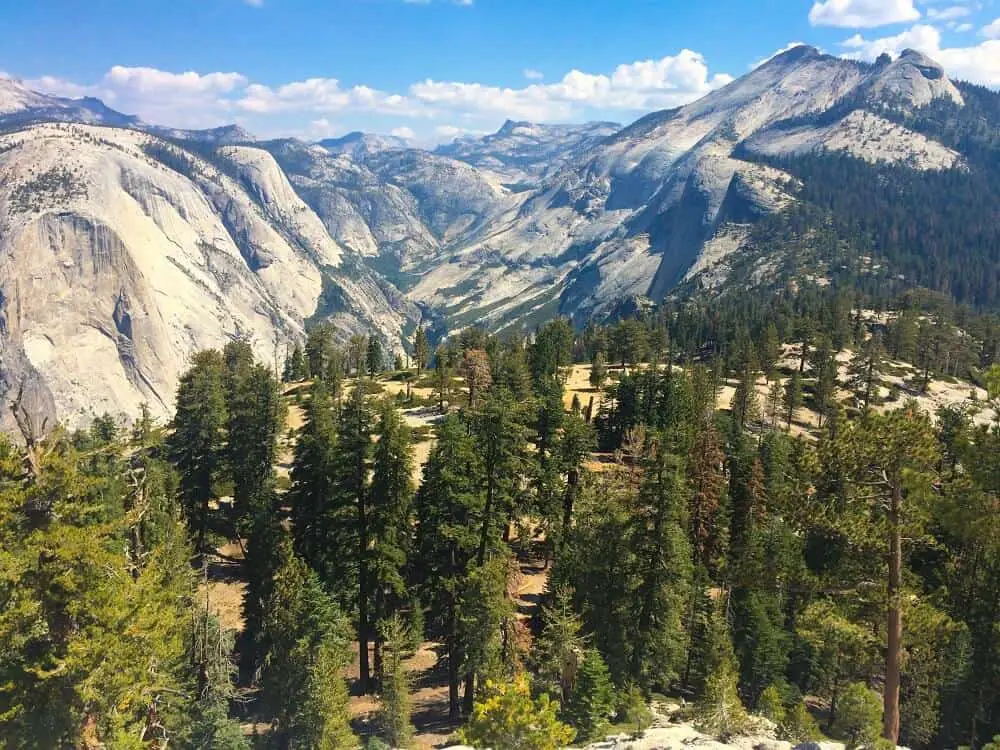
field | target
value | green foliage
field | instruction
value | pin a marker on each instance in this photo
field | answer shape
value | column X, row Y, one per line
column 307, row 650
column 798, row 725
column 197, row 445
column 633, row 712
column 592, row 698
column 859, row 717
column 508, row 717
column 394, row 712
column 719, row 711
column 771, row 705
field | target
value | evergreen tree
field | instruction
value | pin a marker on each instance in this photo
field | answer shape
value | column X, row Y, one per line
column 663, row 560
column 313, row 494
column 198, row 443
column 308, row 647
column 864, row 370
column 296, row 367
column 256, row 419
column 592, row 699
column 745, row 405
column 374, row 358
column 598, row 371
column 449, row 505
column 508, row 717
column 390, row 517
column 354, row 448
column 719, row 710
column 319, row 349
column 421, row 349
column 394, row 714
column 792, row 398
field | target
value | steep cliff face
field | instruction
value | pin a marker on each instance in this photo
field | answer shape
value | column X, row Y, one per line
column 121, row 254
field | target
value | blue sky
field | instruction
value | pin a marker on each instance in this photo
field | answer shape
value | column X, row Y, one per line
column 436, row 68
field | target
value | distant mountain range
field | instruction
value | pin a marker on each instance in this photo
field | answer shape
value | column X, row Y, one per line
column 125, row 246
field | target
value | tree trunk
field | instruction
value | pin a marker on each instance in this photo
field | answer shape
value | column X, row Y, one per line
column 454, row 709
column 365, row 672
column 470, row 693
column 890, row 713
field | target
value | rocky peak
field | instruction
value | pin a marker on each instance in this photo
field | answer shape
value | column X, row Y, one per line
column 913, row 78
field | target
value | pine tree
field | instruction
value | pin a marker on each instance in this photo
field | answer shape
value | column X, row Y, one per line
column 894, row 458
column 374, row 359
column 197, row 445
column 442, row 378
column 663, row 562
column 421, row 349
column 592, row 699
column 448, row 509
column 598, row 371
column 792, row 398
column 319, row 347
column 864, row 370
column 312, row 495
column 719, row 710
column 296, row 367
column 390, row 517
column 308, row 647
column 508, row 717
column 500, row 437
column 745, row 405
column 354, row 448
column 394, row 713
column 256, row 419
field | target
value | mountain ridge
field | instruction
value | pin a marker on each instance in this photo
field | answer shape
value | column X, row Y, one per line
column 500, row 230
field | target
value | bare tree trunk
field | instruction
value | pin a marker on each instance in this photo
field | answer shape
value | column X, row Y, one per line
column 890, row 713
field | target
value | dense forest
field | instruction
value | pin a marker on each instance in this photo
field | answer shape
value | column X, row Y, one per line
column 817, row 550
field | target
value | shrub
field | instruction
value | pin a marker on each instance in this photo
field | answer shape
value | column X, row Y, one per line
column 859, row 717
column 509, row 718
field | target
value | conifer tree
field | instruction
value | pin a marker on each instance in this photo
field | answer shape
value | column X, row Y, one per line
column 256, row 419
column 319, row 347
column 598, row 371
column 395, row 709
column 745, row 405
column 354, row 448
column 374, row 358
column 792, row 398
column 449, row 505
column 591, row 701
column 198, row 442
column 313, row 494
column 864, row 370
column 308, row 647
column 390, row 518
column 421, row 349
column 663, row 571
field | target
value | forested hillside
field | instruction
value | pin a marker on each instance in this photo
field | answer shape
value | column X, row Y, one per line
column 779, row 511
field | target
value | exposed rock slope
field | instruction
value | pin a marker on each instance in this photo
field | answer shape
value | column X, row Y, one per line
column 121, row 254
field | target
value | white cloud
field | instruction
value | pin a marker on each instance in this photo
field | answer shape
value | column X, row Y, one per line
column 978, row 64
column 403, row 132
column 961, row 28
column 195, row 100
column 920, row 37
column 533, row 75
column 643, row 85
column 991, row 31
column 187, row 99
column 950, row 13
column 862, row 14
